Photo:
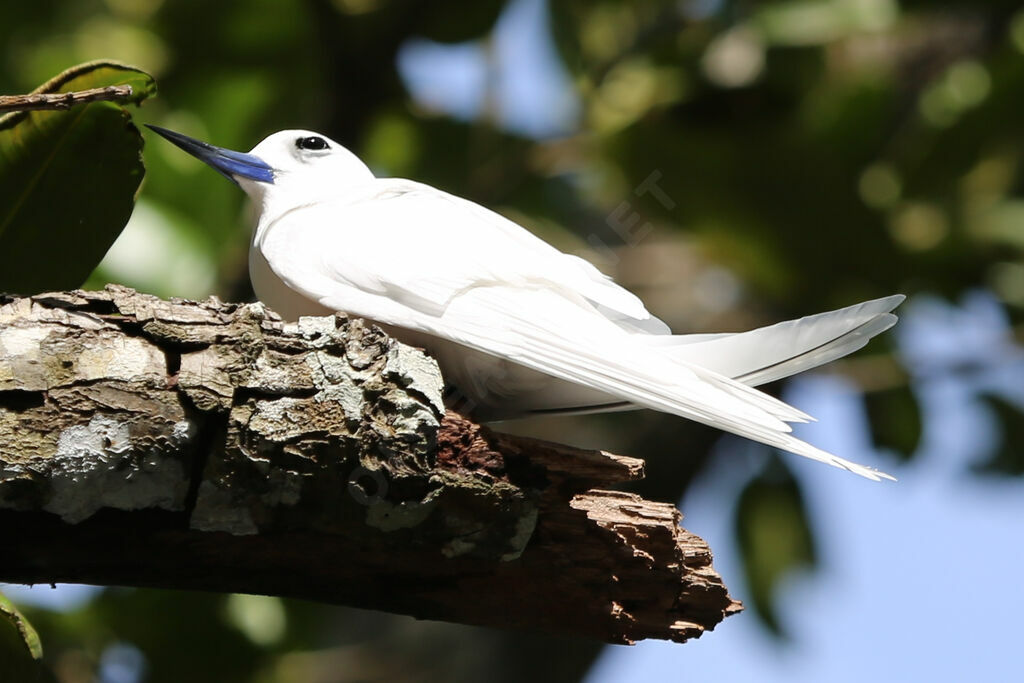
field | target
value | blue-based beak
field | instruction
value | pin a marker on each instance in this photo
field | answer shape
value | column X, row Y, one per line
column 232, row 165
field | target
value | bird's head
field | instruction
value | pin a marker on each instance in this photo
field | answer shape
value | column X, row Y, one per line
column 299, row 163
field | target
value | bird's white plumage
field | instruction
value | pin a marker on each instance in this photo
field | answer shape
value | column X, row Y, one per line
column 517, row 325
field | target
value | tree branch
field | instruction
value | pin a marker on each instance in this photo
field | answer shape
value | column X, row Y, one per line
column 211, row 446
column 63, row 100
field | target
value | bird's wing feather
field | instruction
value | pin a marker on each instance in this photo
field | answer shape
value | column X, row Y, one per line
column 769, row 353
column 753, row 358
column 423, row 260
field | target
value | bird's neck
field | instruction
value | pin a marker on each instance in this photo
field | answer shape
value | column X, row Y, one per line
column 288, row 194
column 266, row 210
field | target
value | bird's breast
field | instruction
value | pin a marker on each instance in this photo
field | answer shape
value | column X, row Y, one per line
column 274, row 293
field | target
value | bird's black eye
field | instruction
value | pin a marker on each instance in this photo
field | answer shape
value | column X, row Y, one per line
column 313, row 142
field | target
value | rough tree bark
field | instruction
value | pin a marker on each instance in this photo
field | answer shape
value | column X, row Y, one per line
column 212, row 446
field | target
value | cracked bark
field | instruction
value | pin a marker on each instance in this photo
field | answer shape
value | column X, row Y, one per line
column 212, row 446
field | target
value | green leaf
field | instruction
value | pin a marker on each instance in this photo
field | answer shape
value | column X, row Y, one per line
column 68, row 181
column 774, row 536
column 20, row 649
column 28, row 636
column 895, row 418
column 1007, row 457
column 453, row 22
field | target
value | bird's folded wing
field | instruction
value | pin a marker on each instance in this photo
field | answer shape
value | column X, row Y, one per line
column 430, row 245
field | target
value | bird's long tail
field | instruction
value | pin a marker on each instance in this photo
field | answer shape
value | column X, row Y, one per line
column 770, row 353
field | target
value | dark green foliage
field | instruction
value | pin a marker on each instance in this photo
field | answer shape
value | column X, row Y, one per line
column 895, row 420
column 20, row 650
column 1007, row 456
column 67, row 181
column 775, row 538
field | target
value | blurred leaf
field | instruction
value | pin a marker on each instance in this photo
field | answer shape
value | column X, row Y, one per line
column 68, row 181
column 202, row 631
column 28, row 636
column 453, row 22
column 774, row 537
column 895, row 420
column 20, row 648
column 1008, row 454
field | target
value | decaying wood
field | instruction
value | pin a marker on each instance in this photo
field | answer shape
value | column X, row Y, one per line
column 212, row 446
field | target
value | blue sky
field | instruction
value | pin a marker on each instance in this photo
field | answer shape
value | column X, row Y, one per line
column 516, row 75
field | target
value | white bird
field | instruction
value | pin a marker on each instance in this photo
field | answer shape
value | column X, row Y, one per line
column 517, row 326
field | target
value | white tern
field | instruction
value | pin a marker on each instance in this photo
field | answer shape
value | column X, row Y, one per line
column 516, row 325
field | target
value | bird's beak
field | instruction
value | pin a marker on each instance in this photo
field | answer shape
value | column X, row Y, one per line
column 232, row 165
